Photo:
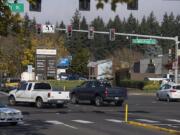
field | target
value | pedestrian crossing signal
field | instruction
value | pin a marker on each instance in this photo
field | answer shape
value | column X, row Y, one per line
column 84, row 5
column 35, row 6
column 133, row 5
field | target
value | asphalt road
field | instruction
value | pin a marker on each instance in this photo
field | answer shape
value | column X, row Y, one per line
column 90, row 120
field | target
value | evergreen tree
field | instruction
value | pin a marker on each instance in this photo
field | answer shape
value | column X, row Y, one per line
column 98, row 49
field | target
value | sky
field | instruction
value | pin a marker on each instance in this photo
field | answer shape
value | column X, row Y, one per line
column 63, row 10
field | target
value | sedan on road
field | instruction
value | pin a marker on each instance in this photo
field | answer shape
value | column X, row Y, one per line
column 169, row 92
column 10, row 115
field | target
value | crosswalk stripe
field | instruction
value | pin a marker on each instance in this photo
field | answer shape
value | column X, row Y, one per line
column 114, row 120
column 173, row 120
column 146, row 120
column 83, row 121
column 60, row 123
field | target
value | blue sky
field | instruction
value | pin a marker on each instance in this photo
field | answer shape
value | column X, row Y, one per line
column 58, row 10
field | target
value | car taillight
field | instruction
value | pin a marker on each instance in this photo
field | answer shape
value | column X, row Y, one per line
column 172, row 90
column 49, row 94
column 106, row 92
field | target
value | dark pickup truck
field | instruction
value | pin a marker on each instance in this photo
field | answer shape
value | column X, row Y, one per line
column 98, row 92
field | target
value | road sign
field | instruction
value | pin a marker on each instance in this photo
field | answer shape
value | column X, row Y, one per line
column 144, row 41
column 17, row 7
column 48, row 28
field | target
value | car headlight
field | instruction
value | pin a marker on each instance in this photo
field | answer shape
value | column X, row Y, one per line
column 2, row 115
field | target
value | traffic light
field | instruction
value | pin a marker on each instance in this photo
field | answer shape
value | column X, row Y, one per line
column 36, row 6
column 91, row 33
column 84, row 5
column 133, row 5
column 69, row 31
column 38, row 29
column 112, row 34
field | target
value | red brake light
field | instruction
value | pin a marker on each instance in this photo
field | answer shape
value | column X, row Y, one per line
column 106, row 92
column 49, row 94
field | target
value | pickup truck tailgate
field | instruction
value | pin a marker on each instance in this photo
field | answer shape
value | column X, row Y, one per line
column 64, row 95
column 117, row 92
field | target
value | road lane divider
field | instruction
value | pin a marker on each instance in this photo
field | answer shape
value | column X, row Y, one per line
column 172, row 131
column 60, row 123
column 114, row 120
column 173, row 120
column 83, row 121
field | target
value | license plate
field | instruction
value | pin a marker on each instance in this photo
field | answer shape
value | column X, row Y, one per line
column 116, row 98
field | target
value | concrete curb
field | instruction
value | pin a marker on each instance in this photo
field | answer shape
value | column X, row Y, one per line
column 172, row 131
column 3, row 93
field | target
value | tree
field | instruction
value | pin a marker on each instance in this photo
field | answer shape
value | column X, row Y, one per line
column 168, row 28
column 98, row 45
column 80, row 61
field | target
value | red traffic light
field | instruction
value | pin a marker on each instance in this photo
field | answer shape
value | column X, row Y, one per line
column 69, row 31
column 38, row 28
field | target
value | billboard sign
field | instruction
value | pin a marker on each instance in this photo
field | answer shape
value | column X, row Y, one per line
column 46, row 63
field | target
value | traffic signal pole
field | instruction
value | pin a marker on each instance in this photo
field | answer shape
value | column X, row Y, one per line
column 175, row 39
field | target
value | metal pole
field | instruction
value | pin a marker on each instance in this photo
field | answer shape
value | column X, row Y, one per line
column 176, row 67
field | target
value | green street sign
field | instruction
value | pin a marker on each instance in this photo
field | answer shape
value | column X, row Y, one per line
column 16, row 7
column 144, row 41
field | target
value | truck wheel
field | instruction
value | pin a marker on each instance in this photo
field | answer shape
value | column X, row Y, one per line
column 39, row 103
column 74, row 99
column 98, row 101
column 12, row 100
column 119, row 103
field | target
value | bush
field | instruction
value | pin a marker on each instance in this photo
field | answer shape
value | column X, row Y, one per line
column 132, row 84
column 151, row 86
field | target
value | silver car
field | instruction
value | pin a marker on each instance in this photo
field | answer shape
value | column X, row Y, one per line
column 169, row 92
column 10, row 115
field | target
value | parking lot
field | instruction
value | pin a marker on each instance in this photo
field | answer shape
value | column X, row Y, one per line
column 108, row 119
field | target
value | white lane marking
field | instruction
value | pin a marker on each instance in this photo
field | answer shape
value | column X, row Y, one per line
column 146, row 120
column 114, row 120
column 83, row 121
column 60, row 123
column 173, row 120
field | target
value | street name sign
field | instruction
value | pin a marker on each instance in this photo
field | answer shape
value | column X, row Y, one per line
column 16, row 7
column 144, row 41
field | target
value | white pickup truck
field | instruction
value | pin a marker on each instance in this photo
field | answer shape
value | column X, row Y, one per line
column 38, row 93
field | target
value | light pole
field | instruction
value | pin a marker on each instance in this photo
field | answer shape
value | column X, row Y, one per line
column 176, row 68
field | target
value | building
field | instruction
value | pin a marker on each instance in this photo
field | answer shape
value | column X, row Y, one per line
column 101, row 69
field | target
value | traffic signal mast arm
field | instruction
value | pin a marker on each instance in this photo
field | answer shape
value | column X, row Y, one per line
column 138, row 35
column 124, row 34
